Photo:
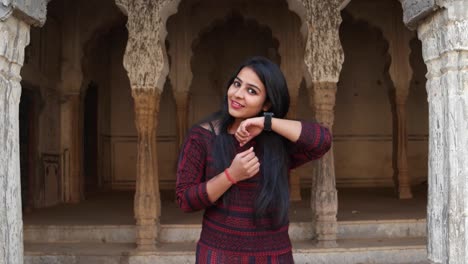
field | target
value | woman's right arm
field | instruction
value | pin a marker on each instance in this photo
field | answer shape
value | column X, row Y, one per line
column 191, row 186
column 193, row 191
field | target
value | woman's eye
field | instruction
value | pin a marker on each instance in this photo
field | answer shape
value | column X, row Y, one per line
column 237, row 84
column 252, row 91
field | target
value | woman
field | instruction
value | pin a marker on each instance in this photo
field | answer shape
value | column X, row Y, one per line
column 235, row 166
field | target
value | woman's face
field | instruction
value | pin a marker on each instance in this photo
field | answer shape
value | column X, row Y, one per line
column 246, row 95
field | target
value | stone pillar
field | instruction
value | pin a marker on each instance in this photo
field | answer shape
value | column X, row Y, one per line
column 294, row 177
column 401, row 137
column 182, row 102
column 324, row 200
column 14, row 36
column 147, row 203
column 445, row 51
column 145, row 60
column 401, row 73
column 71, row 134
column 323, row 59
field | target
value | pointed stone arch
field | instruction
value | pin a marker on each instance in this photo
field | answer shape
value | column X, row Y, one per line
column 400, row 71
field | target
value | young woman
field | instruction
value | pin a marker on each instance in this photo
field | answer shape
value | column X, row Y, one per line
column 235, row 166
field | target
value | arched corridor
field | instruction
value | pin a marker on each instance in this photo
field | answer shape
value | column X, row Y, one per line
column 97, row 101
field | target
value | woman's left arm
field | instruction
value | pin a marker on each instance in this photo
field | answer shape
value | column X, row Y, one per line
column 310, row 140
column 252, row 127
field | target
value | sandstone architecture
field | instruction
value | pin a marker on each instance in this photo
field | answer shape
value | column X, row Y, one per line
column 96, row 98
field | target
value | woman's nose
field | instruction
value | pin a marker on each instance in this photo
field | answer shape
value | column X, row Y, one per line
column 239, row 93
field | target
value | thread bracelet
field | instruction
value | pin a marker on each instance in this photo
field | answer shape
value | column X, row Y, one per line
column 228, row 176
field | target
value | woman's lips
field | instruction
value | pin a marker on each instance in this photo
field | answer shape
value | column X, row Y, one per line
column 236, row 105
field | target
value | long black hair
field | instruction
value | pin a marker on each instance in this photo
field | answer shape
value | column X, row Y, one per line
column 273, row 194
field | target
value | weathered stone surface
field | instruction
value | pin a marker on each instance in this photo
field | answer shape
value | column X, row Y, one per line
column 31, row 11
column 147, row 200
column 145, row 57
column 377, row 251
column 324, row 55
column 324, row 198
column 14, row 36
column 445, row 51
column 416, row 10
column 323, row 59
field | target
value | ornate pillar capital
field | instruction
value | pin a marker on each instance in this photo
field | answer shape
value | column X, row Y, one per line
column 324, row 54
column 145, row 57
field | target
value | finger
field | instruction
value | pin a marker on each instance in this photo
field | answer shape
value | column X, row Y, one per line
column 244, row 129
column 254, row 169
column 242, row 132
column 246, row 152
column 247, row 158
column 252, row 162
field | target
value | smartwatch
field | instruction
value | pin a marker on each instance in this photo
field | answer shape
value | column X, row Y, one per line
column 267, row 123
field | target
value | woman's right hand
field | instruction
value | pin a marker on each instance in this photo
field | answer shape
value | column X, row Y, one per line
column 245, row 165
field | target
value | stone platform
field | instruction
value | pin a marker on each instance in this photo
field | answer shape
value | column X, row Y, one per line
column 373, row 227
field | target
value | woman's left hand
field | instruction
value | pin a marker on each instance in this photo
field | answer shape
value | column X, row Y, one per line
column 249, row 129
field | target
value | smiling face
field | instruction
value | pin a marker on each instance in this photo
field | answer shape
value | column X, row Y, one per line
column 246, row 95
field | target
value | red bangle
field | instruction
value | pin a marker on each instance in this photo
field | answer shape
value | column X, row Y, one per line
column 229, row 177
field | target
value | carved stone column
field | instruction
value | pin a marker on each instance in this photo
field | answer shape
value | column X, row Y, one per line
column 14, row 36
column 323, row 59
column 401, row 73
column 324, row 200
column 294, row 177
column 182, row 100
column 71, row 109
column 146, row 63
column 147, row 207
column 401, row 170
column 72, row 148
column 442, row 28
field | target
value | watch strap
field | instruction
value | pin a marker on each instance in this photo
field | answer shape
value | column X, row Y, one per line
column 267, row 123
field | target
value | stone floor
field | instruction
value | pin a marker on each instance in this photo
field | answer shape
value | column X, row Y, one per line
column 116, row 208
column 389, row 231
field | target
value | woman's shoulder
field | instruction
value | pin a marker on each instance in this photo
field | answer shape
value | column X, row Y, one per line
column 205, row 129
column 211, row 127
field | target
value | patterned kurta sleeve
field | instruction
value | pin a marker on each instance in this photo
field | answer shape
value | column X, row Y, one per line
column 191, row 184
column 314, row 141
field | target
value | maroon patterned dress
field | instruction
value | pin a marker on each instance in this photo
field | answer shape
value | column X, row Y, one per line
column 229, row 233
